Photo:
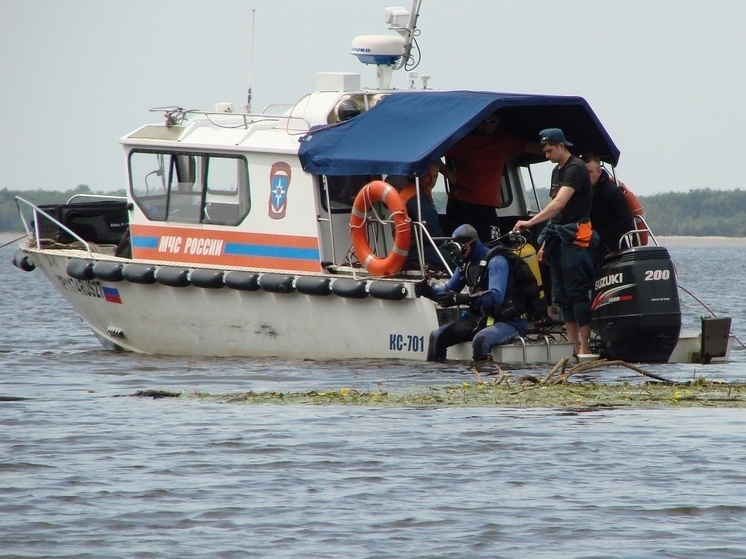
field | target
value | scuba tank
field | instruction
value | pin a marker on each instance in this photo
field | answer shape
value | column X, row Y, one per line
column 528, row 254
column 635, row 309
column 527, row 289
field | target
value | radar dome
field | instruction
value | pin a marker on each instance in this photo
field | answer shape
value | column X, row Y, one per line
column 381, row 50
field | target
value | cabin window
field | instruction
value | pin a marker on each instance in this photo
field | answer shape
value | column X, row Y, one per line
column 340, row 191
column 506, row 190
column 190, row 187
column 533, row 202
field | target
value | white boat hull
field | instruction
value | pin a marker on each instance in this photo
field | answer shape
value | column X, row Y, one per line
column 160, row 319
column 689, row 349
column 190, row 320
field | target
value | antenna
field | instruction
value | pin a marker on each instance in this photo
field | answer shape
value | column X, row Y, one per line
column 251, row 61
column 407, row 32
column 386, row 52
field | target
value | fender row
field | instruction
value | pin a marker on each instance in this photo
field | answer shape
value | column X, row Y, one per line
column 176, row 276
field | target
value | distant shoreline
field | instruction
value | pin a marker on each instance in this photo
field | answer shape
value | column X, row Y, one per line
column 701, row 241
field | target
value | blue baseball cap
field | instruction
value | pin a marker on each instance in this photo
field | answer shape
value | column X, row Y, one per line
column 554, row 136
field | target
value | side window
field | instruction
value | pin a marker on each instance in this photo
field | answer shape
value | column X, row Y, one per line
column 341, row 191
column 149, row 183
column 533, row 202
column 506, row 190
column 185, row 198
column 190, row 187
column 227, row 195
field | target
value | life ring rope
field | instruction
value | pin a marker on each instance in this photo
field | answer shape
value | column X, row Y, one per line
column 380, row 191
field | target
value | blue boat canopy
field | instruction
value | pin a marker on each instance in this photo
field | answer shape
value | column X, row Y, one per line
column 405, row 131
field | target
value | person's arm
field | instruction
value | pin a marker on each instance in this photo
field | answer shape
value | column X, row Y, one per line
column 455, row 284
column 541, row 254
column 550, row 210
column 498, row 271
column 435, row 292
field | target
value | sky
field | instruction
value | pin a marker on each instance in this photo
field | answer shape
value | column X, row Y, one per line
column 665, row 77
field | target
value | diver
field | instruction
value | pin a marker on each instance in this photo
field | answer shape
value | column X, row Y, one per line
column 496, row 310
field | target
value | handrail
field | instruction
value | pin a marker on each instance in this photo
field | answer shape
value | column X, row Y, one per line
column 266, row 108
column 37, row 231
column 432, row 243
column 629, row 235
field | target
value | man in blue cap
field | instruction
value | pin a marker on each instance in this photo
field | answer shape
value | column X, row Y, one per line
column 568, row 238
column 495, row 309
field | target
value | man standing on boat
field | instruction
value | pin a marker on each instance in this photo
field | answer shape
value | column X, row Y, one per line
column 568, row 239
column 610, row 213
column 495, row 314
column 475, row 181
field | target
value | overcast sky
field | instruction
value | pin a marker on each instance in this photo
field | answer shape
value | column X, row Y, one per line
column 666, row 77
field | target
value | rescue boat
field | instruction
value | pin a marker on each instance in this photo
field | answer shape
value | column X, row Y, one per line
column 275, row 233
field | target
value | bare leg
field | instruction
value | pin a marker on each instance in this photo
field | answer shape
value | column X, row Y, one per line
column 585, row 339
column 572, row 336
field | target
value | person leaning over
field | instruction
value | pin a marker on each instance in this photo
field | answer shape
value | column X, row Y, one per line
column 568, row 238
column 610, row 213
column 495, row 315
column 475, row 182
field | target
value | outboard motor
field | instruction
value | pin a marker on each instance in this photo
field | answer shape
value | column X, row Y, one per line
column 635, row 310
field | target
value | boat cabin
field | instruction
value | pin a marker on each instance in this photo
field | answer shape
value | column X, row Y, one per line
column 276, row 191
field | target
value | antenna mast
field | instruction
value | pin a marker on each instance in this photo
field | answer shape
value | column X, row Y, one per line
column 251, row 61
column 408, row 33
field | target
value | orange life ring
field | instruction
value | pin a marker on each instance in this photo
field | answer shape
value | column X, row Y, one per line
column 641, row 237
column 632, row 201
column 379, row 191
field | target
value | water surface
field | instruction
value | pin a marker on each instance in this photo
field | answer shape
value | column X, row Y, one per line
column 88, row 471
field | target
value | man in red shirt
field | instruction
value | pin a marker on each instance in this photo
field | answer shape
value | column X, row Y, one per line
column 475, row 180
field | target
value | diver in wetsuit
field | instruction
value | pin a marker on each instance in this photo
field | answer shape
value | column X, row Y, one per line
column 494, row 313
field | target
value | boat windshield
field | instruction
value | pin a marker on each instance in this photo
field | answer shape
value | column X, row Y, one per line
column 184, row 187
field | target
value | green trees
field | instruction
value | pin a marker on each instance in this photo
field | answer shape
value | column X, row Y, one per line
column 10, row 221
column 698, row 213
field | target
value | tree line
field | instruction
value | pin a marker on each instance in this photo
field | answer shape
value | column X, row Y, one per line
column 698, row 213
column 10, row 220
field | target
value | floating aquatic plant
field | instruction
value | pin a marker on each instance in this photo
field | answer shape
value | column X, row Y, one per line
column 555, row 390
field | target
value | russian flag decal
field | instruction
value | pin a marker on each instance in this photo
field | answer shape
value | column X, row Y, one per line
column 111, row 294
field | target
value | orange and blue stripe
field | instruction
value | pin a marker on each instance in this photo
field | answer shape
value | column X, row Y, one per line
column 227, row 248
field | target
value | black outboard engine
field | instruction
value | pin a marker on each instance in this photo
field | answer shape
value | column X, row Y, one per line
column 635, row 309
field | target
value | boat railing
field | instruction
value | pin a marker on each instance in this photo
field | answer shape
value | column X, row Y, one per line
column 33, row 227
column 379, row 244
column 641, row 235
column 427, row 239
column 276, row 106
column 176, row 116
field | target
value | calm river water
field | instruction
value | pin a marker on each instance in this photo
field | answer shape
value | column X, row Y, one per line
column 87, row 471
